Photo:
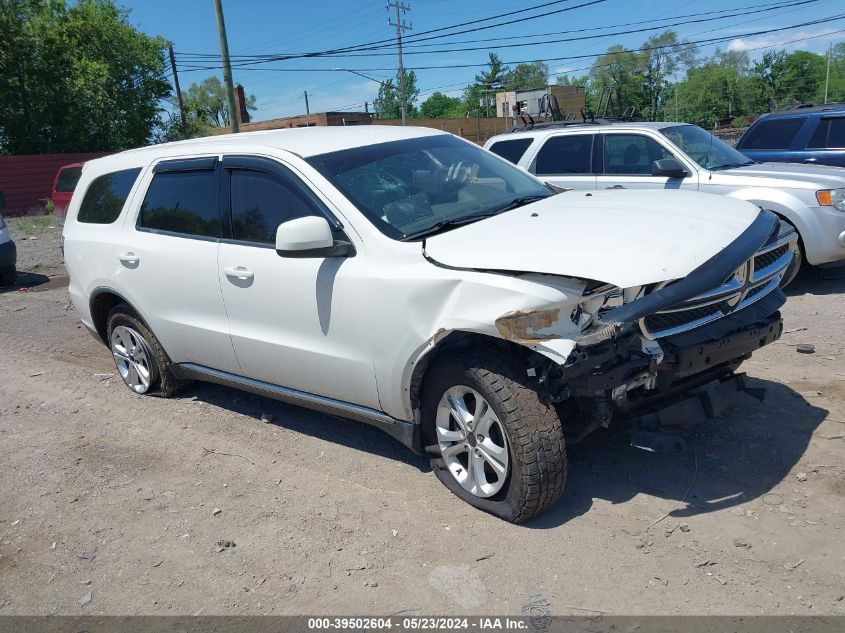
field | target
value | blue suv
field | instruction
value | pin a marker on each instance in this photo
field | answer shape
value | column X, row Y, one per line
column 803, row 134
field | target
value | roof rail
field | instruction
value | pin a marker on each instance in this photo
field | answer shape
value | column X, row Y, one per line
column 542, row 125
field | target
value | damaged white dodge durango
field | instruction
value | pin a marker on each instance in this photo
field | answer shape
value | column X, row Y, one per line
column 408, row 279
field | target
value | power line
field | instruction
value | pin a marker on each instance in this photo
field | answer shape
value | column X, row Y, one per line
column 825, row 20
column 417, row 37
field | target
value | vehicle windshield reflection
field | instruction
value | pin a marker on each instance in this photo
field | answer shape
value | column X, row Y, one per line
column 410, row 188
column 704, row 148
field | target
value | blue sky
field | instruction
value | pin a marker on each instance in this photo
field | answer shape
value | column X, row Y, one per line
column 274, row 26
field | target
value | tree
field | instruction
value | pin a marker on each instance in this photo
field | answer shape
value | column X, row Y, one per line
column 207, row 103
column 480, row 95
column 76, row 78
column 439, row 105
column 388, row 104
column 620, row 70
column 662, row 56
column 782, row 78
column 526, row 76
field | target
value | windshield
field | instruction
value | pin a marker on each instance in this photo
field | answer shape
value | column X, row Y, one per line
column 417, row 186
column 704, row 148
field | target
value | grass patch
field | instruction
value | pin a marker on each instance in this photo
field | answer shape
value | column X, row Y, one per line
column 31, row 224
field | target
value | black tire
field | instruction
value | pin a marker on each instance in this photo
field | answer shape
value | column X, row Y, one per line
column 7, row 276
column 165, row 383
column 795, row 267
column 536, row 448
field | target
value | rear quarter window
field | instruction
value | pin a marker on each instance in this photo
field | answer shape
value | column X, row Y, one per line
column 772, row 133
column 511, row 150
column 829, row 134
column 106, row 196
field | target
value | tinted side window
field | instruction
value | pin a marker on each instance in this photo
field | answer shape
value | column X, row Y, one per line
column 830, row 134
column 182, row 202
column 773, row 133
column 631, row 154
column 260, row 203
column 570, row 154
column 511, row 150
column 68, row 178
column 106, row 196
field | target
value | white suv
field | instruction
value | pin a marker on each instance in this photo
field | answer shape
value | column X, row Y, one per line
column 643, row 155
column 409, row 279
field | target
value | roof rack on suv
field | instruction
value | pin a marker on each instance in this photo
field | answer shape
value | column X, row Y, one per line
column 812, row 107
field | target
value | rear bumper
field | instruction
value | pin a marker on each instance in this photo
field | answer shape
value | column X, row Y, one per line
column 8, row 255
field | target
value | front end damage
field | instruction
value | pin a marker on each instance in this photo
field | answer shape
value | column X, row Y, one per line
column 665, row 353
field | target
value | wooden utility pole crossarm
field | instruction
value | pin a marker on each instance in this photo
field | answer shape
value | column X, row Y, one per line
column 227, row 67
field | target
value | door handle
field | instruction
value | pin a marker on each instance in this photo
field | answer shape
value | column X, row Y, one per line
column 129, row 258
column 811, row 160
column 240, row 272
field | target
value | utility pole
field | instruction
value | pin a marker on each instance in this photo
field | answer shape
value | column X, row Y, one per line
column 307, row 110
column 178, row 89
column 827, row 74
column 400, row 26
column 227, row 67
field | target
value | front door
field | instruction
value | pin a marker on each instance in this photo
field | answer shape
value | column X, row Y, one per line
column 295, row 322
column 626, row 161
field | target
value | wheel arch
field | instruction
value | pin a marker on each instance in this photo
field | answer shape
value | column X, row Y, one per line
column 102, row 302
column 454, row 340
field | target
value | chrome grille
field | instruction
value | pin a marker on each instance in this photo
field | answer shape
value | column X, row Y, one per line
column 752, row 281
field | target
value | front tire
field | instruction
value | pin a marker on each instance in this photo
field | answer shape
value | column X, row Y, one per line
column 7, row 276
column 494, row 442
column 138, row 355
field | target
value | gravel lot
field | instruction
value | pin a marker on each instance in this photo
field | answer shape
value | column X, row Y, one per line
column 113, row 503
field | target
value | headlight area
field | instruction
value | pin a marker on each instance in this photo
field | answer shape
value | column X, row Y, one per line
column 615, row 370
column 832, row 198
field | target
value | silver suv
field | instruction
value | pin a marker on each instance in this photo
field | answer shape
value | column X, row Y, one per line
column 642, row 155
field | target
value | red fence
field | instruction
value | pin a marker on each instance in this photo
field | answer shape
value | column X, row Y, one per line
column 27, row 180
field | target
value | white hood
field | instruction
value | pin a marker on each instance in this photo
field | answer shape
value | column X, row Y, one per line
column 624, row 237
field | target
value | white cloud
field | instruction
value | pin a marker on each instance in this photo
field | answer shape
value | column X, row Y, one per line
column 785, row 41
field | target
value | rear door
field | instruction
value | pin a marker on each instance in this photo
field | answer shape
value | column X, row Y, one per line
column 295, row 322
column 826, row 143
column 566, row 160
column 625, row 160
column 167, row 262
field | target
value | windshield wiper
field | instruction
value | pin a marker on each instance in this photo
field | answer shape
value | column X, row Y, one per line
column 732, row 165
column 519, row 202
column 442, row 225
column 438, row 227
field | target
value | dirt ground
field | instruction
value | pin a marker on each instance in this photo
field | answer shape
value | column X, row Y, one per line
column 109, row 501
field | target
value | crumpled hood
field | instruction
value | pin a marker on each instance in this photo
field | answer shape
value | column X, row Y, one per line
column 623, row 237
column 800, row 175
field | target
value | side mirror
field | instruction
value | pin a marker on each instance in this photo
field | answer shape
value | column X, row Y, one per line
column 310, row 236
column 668, row 168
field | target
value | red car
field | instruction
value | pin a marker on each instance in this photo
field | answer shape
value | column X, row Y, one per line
column 63, row 186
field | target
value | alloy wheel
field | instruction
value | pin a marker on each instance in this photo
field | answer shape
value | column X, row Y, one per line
column 133, row 358
column 472, row 441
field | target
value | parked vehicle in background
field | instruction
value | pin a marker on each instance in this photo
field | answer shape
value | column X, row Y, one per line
column 641, row 155
column 408, row 279
column 8, row 252
column 63, row 186
column 813, row 135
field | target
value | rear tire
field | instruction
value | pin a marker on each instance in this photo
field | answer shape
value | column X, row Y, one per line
column 139, row 357
column 521, row 424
